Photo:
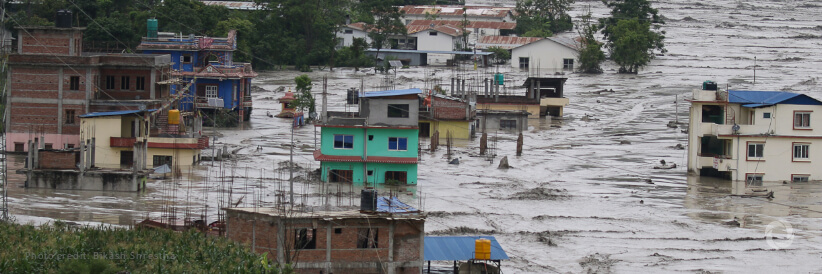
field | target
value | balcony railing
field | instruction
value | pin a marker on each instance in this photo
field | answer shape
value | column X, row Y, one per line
column 122, row 141
column 162, row 142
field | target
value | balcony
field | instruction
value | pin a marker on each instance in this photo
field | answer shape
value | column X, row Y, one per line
column 717, row 130
column 720, row 163
column 122, row 141
column 161, row 142
column 554, row 101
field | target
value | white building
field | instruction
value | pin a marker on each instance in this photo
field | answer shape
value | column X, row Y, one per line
column 505, row 42
column 347, row 33
column 449, row 12
column 755, row 135
column 478, row 29
column 436, row 38
column 552, row 54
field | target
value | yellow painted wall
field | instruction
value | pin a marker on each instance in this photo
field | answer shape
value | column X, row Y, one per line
column 102, row 129
column 181, row 157
column 533, row 110
column 459, row 129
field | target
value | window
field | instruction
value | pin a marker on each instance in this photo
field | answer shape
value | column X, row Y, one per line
column 370, row 173
column 367, row 238
column 338, row 231
column 74, row 83
column 69, row 117
column 755, row 150
column 341, row 176
column 395, row 143
column 141, row 83
column 754, row 179
column 49, row 146
column 398, row 111
column 508, row 124
column 19, row 147
column 432, row 33
column 211, row 91
column 185, row 59
column 800, row 178
column 349, row 31
column 802, row 120
column 396, row 177
column 109, row 82
column 800, row 151
column 766, row 115
column 124, row 85
column 305, row 238
column 568, row 64
column 343, row 141
column 159, row 160
column 523, row 62
column 69, row 145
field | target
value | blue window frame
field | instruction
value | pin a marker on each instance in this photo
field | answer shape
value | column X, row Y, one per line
column 343, row 141
column 396, row 143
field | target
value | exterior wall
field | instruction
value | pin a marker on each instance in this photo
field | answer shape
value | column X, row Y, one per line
column 379, row 169
column 378, row 146
column 56, row 140
column 459, row 129
column 356, row 168
column 132, row 92
column 440, row 42
column 327, row 141
column 51, row 41
column 533, row 110
column 376, row 110
column 399, row 242
column 91, row 180
column 181, row 158
column 57, row 160
column 348, row 39
column 492, row 122
column 102, row 129
column 544, row 54
column 777, row 133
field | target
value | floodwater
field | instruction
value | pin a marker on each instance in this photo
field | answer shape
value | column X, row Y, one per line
column 577, row 200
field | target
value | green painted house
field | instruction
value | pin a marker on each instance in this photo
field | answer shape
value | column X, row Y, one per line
column 378, row 144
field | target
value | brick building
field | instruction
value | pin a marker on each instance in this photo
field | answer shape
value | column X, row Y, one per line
column 51, row 82
column 444, row 114
column 334, row 241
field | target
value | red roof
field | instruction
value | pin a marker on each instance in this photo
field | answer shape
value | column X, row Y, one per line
column 446, row 10
column 506, row 42
column 450, row 30
column 471, row 24
column 318, row 156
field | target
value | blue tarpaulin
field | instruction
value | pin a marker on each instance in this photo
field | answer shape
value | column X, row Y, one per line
column 394, row 205
column 458, row 248
column 396, row 92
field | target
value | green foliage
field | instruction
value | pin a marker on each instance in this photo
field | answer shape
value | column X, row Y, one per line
column 591, row 55
column 113, row 30
column 354, row 56
column 543, row 18
column 60, row 248
column 387, row 22
column 245, row 30
column 630, row 39
column 500, row 55
column 304, row 100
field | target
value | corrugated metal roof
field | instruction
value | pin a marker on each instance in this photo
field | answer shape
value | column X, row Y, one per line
column 431, row 51
column 471, row 24
column 451, row 10
column 235, row 5
column 447, row 29
column 567, row 42
column 510, row 40
column 114, row 113
column 458, row 248
column 395, row 92
column 754, row 99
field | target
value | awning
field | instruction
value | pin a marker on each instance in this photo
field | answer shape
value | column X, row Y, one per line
column 458, row 248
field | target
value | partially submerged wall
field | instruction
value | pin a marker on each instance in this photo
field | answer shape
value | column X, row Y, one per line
column 91, row 180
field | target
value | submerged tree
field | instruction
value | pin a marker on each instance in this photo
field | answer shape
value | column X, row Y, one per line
column 631, row 40
column 387, row 22
column 500, row 55
column 304, row 100
column 591, row 55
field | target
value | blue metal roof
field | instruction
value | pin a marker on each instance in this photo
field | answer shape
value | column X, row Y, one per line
column 458, row 248
column 394, row 205
column 430, row 51
column 114, row 113
column 753, row 99
column 396, row 92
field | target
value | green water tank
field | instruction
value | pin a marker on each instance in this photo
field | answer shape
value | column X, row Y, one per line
column 499, row 78
column 152, row 28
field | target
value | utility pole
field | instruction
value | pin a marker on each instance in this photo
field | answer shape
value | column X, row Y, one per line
column 4, row 205
column 291, row 169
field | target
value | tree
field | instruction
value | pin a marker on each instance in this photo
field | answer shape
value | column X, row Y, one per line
column 591, row 55
column 354, row 55
column 304, row 100
column 630, row 39
column 387, row 22
column 543, row 18
column 500, row 55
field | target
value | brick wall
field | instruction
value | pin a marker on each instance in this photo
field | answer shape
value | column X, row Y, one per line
column 57, row 159
column 346, row 257
column 447, row 109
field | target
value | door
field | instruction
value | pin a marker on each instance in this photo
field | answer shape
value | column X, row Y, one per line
column 340, row 176
column 126, row 159
column 425, row 129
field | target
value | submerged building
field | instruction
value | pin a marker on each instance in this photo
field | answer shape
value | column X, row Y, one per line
column 754, row 136
column 376, row 145
column 220, row 83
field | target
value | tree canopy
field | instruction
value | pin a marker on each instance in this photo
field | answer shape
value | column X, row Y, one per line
column 543, row 18
column 632, row 33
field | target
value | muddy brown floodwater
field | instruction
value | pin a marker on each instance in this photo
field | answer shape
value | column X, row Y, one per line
column 583, row 197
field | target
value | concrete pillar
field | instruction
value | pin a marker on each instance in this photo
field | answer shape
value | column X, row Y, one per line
column 82, row 164
column 152, row 83
column 60, row 111
column 452, row 86
column 93, row 150
column 485, row 83
column 538, row 91
column 34, row 152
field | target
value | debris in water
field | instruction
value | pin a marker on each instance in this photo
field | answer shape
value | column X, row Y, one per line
column 503, row 164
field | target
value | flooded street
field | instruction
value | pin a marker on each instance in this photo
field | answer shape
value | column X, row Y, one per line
column 584, row 196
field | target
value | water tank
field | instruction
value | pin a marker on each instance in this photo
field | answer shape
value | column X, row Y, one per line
column 63, row 19
column 368, row 200
column 499, row 78
column 173, row 117
column 709, row 85
column 352, row 96
column 482, row 249
column 151, row 26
